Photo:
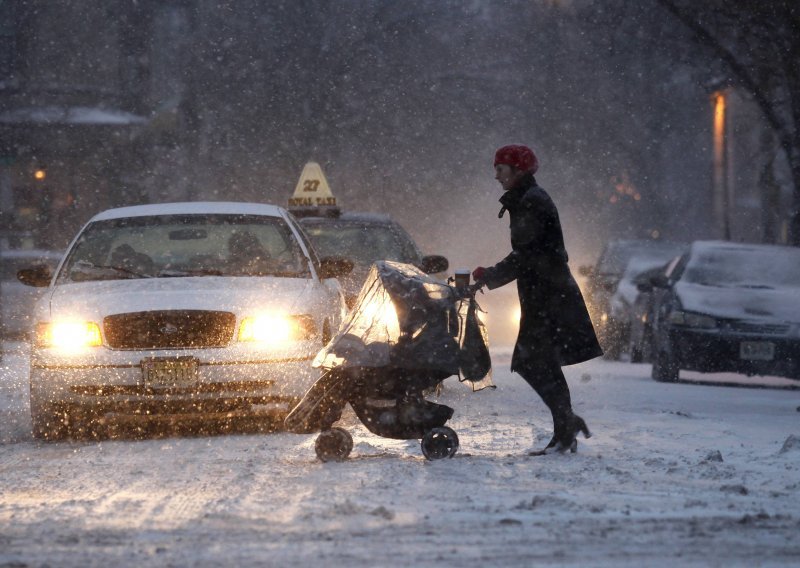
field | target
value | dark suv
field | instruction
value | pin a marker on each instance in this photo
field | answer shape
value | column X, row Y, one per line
column 364, row 238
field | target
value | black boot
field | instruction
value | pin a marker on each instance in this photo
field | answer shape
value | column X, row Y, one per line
column 573, row 424
column 558, row 432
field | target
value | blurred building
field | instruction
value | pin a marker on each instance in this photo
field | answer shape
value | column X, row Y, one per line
column 88, row 95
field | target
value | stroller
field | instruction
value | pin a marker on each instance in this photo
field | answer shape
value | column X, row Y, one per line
column 406, row 333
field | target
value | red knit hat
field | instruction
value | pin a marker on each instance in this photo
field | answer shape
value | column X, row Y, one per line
column 518, row 156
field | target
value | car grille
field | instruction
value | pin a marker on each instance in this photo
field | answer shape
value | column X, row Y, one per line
column 169, row 329
column 760, row 328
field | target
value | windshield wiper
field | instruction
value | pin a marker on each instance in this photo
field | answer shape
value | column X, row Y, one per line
column 756, row 286
column 85, row 264
column 193, row 272
column 707, row 283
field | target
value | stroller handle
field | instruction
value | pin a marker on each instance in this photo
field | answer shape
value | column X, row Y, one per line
column 468, row 291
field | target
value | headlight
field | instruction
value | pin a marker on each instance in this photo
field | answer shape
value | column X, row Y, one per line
column 68, row 335
column 277, row 328
column 690, row 319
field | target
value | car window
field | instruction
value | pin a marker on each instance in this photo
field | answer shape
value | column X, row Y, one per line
column 617, row 255
column 638, row 265
column 186, row 245
column 363, row 243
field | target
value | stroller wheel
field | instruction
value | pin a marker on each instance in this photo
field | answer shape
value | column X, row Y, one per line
column 439, row 443
column 333, row 445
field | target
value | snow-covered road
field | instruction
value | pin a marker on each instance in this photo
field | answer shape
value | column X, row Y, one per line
column 676, row 474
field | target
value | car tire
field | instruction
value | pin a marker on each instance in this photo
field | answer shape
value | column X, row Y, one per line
column 615, row 341
column 636, row 353
column 612, row 350
column 646, row 345
column 326, row 332
column 665, row 369
column 48, row 422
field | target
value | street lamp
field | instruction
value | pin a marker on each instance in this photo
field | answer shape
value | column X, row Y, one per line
column 721, row 195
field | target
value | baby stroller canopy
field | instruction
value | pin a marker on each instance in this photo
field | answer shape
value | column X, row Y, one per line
column 405, row 319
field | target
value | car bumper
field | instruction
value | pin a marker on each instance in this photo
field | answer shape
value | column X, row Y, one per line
column 712, row 351
column 236, row 380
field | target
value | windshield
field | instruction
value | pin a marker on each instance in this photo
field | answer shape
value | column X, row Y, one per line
column 617, row 255
column 363, row 243
column 186, row 245
column 745, row 268
column 638, row 265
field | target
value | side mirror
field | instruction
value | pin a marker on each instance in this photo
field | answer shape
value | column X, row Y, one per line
column 587, row 271
column 434, row 263
column 334, row 267
column 659, row 281
column 38, row 276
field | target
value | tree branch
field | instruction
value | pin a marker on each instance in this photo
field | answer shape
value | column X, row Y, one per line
column 739, row 71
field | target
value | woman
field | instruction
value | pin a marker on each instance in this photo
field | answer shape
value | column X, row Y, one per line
column 555, row 328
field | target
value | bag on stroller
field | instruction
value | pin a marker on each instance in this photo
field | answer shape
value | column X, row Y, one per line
column 407, row 332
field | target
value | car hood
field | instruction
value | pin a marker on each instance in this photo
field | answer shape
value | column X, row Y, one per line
column 778, row 304
column 241, row 295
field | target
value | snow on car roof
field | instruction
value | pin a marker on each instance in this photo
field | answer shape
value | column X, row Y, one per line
column 726, row 263
column 191, row 208
column 742, row 281
column 708, row 246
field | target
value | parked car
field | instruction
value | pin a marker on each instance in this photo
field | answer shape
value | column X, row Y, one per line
column 184, row 308
column 729, row 307
column 365, row 238
column 623, row 300
column 602, row 281
column 642, row 312
column 16, row 299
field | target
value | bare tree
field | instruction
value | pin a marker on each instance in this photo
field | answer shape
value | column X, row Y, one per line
column 758, row 42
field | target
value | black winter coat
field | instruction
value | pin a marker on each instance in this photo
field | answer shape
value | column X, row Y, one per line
column 555, row 325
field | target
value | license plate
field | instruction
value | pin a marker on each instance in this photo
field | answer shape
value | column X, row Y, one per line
column 757, row 350
column 169, row 372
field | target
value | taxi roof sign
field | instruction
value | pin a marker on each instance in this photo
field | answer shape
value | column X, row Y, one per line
column 312, row 195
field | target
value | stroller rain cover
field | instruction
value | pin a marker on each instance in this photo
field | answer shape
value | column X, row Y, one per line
column 406, row 319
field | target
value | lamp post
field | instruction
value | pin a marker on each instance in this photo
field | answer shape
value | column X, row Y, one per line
column 721, row 186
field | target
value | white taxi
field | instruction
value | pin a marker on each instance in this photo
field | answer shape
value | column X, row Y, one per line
column 181, row 308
